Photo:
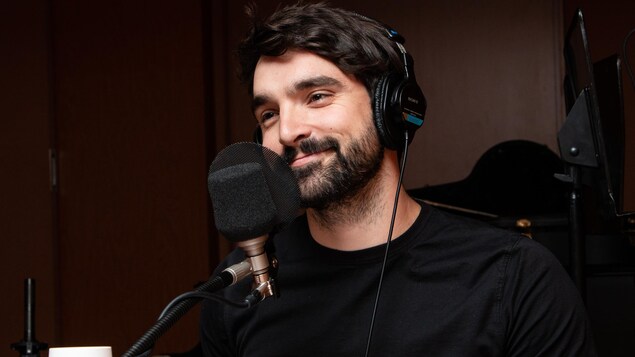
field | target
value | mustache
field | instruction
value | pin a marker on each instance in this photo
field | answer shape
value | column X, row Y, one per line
column 310, row 146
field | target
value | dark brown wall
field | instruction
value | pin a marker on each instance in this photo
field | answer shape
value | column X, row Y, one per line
column 27, row 248
column 118, row 89
column 132, row 161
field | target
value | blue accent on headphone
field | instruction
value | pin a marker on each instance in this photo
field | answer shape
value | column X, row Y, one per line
column 414, row 120
column 395, row 36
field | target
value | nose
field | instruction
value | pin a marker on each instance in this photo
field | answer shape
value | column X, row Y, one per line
column 293, row 127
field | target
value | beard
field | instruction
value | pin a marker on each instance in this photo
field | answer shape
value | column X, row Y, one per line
column 340, row 179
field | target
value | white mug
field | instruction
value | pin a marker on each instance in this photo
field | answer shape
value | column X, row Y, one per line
column 93, row 351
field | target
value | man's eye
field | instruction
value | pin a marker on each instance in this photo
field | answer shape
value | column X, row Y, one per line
column 317, row 97
column 266, row 116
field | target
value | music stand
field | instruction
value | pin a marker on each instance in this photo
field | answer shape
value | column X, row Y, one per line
column 594, row 114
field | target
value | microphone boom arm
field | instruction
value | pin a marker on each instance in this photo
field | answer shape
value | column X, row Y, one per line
column 227, row 277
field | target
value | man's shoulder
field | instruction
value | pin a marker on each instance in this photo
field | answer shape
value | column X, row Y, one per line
column 467, row 230
column 470, row 240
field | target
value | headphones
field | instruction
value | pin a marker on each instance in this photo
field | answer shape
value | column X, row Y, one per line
column 397, row 101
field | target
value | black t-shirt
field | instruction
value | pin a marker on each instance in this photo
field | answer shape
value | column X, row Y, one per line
column 452, row 287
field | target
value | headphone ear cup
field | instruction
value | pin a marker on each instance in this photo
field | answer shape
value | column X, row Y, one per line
column 398, row 105
column 381, row 102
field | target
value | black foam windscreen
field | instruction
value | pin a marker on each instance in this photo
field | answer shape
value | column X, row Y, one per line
column 253, row 191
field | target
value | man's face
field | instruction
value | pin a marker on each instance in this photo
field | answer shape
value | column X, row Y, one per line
column 319, row 120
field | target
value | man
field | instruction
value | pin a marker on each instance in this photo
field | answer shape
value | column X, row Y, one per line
column 451, row 287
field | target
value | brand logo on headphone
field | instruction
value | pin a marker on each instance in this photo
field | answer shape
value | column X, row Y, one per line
column 413, row 100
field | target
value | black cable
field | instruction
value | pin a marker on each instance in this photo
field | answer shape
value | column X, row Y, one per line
column 184, row 302
column 626, row 61
column 146, row 342
column 201, row 295
column 392, row 225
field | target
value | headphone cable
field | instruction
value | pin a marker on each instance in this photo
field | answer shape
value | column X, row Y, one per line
column 392, row 224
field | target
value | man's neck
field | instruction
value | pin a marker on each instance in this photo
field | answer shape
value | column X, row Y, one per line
column 364, row 220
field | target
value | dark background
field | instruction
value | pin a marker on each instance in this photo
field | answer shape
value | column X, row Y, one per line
column 112, row 111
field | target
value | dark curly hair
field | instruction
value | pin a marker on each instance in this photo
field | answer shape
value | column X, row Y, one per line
column 356, row 44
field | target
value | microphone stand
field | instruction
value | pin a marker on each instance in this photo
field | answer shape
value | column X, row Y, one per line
column 29, row 346
column 578, row 151
column 229, row 276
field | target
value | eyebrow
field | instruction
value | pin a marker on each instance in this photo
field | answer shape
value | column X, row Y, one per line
column 298, row 86
column 258, row 101
column 314, row 82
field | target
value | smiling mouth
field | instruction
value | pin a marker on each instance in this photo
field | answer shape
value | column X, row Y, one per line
column 309, row 150
column 302, row 159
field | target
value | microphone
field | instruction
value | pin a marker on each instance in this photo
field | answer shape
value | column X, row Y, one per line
column 253, row 192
